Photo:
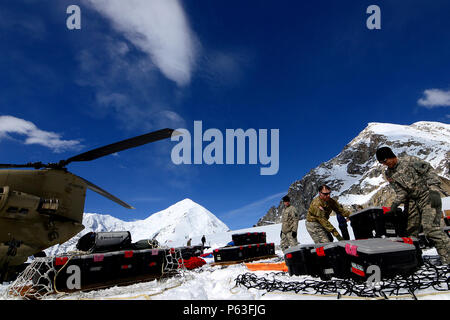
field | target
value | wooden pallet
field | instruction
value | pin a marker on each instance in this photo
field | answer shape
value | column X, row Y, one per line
column 228, row 263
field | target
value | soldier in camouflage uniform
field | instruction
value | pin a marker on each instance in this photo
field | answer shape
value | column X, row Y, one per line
column 319, row 211
column 417, row 186
column 289, row 225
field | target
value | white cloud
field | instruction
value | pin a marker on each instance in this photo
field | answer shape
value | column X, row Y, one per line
column 435, row 98
column 33, row 135
column 158, row 28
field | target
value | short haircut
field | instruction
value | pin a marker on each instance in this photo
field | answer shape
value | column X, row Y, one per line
column 324, row 186
column 384, row 153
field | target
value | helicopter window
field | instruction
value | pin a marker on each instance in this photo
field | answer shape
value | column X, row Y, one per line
column 12, row 210
column 23, row 211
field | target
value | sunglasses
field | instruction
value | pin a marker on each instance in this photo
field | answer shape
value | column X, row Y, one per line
column 326, row 193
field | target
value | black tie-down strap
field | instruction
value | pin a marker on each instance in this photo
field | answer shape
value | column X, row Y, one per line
column 428, row 276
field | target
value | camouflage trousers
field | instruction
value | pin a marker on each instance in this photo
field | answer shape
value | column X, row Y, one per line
column 422, row 215
column 317, row 232
column 288, row 240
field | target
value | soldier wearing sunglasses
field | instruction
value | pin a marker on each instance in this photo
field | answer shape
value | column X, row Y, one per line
column 317, row 224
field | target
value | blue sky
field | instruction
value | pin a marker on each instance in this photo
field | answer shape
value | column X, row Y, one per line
column 311, row 69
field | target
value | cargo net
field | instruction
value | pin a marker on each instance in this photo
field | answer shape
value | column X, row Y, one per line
column 174, row 263
column 37, row 280
column 429, row 276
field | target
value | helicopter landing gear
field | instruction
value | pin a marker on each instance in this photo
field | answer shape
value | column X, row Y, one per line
column 13, row 245
column 5, row 273
column 53, row 233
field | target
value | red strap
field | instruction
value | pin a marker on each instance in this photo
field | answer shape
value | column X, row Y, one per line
column 358, row 272
column 407, row 240
column 60, row 261
column 351, row 250
column 98, row 257
column 320, row 252
column 386, row 209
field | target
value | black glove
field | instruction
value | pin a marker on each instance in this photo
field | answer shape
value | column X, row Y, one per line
column 435, row 199
column 394, row 207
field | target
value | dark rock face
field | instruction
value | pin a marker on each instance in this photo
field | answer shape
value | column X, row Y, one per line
column 357, row 179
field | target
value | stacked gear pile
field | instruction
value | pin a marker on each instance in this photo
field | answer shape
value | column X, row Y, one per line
column 107, row 259
column 356, row 259
column 246, row 247
column 377, row 222
column 429, row 275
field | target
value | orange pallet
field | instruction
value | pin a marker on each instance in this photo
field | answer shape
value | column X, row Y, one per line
column 280, row 266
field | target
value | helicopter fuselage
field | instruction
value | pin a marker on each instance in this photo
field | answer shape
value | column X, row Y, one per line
column 38, row 209
column 44, row 207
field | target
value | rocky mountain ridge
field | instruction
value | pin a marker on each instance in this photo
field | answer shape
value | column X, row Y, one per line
column 357, row 179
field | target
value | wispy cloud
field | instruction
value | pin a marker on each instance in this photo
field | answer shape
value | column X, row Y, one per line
column 147, row 199
column 33, row 135
column 159, row 28
column 435, row 98
column 22, row 22
column 152, row 41
column 255, row 206
column 125, row 86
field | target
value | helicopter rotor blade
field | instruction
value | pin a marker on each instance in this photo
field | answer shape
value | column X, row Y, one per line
column 105, row 193
column 121, row 145
column 36, row 165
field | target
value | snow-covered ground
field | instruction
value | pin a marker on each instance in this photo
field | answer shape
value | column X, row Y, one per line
column 218, row 282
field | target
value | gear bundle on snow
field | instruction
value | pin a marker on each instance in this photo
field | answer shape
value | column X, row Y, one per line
column 357, row 259
column 247, row 246
column 107, row 259
column 429, row 275
column 376, row 222
column 104, row 241
column 248, row 238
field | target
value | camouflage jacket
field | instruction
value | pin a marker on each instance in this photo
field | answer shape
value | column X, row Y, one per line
column 411, row 177
column 289, row 220
column 320, row 210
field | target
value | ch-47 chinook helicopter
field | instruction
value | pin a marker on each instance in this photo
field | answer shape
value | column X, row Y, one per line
column 44, row 207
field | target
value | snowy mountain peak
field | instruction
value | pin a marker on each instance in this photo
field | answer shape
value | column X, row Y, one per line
column 185, row 219
column 172, row 226
column 424, row 132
